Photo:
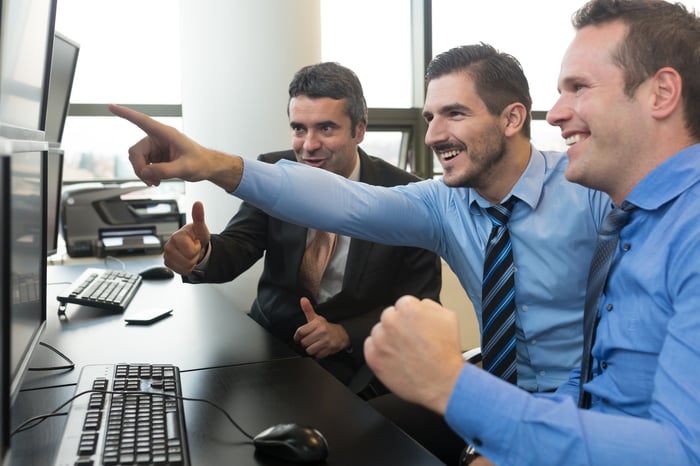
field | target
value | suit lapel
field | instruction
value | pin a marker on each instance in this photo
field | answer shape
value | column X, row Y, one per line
column 359, row 250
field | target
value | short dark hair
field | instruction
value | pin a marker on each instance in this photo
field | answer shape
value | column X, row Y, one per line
column 659, row 34
column 330, row 79
column 498, row 77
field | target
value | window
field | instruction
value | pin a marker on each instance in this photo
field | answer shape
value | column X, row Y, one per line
column 125, row 57
column 381, row 41
column 379, row 49
column 374, row 40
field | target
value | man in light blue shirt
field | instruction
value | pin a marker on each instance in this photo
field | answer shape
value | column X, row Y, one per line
column 630, row 111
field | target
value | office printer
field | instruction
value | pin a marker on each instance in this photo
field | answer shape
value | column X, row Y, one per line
column 99, row 220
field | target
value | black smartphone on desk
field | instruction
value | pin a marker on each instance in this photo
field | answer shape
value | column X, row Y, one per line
column 147, row 316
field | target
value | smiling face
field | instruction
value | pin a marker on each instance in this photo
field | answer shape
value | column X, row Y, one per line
column 322, row 134
column 465, row 137
column 603, row 127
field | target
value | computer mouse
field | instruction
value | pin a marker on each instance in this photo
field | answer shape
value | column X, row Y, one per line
column 292, row 442
column 156, row 272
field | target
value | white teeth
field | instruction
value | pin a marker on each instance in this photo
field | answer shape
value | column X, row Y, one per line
column 449, row 155
column 573, row 139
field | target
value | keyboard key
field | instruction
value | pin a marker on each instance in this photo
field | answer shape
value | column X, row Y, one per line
column 102, row 288
column 136, row 427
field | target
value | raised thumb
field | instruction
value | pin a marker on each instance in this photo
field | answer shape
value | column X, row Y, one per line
column 308, row 309
column 199, row 227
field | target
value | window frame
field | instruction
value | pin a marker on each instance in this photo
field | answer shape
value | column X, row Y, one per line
column 414, row 155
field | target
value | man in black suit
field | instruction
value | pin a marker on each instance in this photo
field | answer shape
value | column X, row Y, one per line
column 328, row 117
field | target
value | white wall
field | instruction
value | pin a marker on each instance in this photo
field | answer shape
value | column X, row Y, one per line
column 238, row 57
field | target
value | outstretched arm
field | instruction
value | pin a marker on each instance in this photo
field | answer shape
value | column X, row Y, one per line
column 167, row 153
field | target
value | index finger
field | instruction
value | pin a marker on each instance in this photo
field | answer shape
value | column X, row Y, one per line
column 143, row 121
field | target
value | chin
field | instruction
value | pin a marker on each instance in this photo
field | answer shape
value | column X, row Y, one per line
column 573, row 172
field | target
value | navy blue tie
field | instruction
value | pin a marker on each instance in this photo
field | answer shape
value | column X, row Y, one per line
column 597, row 277
column 498, row 297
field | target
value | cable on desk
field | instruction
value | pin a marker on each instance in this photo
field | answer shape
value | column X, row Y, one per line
column 36, row 420
column 113, row 258
column 68, row 367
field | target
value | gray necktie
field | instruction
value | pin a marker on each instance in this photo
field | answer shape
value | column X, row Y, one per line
column 597, row 277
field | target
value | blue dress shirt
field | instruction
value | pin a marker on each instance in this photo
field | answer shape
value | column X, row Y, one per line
column 646, row 386
column 553, row 232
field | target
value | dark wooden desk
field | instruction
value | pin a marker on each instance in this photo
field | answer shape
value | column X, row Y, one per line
column 204, row 331
column 260, row 395
column 256, row 396
column 227, row 359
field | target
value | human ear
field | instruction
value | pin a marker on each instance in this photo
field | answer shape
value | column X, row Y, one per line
column 514, row 116
column 667, row 86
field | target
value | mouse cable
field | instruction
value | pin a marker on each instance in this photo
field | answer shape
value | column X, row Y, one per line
column 36, row 420
column 68, row 367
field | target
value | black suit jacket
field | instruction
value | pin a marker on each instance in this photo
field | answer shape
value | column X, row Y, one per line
column 375, row 275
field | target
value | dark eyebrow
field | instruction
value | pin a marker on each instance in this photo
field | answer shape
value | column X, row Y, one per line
column 322, row 124
column 455, row 107
column 449, row 109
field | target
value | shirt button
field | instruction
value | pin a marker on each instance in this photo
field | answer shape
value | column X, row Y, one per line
column 533, row 341
column 515, row 269
column 525, row 308
column 542, row 373
column 609, row 307
column 626, row 246
column 604, row 365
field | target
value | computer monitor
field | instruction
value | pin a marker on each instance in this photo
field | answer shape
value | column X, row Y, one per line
column 23, row 269
column 53, row 183
column 64, row 61
column 26, row 37
column 4, row 314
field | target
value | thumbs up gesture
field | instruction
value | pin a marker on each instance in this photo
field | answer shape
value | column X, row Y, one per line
column 188, row 245
column 319, row 337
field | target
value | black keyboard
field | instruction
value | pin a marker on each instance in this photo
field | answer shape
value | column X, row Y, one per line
column 128, row 427
column 103, row 288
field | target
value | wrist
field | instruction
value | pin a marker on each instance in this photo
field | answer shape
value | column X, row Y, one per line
column 227, row 171
column 203, row 252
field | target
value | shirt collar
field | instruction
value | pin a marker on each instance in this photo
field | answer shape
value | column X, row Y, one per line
column 667, row 181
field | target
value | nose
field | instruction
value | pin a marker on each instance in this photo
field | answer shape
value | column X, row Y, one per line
column 559, row 112
column 311, row 141
column 436, row 132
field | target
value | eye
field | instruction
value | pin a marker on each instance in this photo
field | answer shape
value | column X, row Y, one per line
column 298, row 130
column 578, row 87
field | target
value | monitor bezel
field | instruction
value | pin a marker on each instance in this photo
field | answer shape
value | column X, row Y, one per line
column 52, row 229
column 69, row 66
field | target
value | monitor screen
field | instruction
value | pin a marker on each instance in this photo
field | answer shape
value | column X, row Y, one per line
column 63, row 63
column 23, row 306
column 26, row 35
column 4, row 300
column 53, row 185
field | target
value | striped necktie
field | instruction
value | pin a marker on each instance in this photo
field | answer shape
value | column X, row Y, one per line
column 597, row 277
column 498, row 297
